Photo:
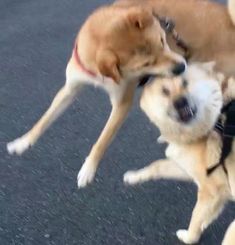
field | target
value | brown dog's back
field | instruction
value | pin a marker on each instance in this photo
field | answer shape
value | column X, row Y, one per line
column 206, row 27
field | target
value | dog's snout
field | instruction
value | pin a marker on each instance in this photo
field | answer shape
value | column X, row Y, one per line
column 181, row 103
column 179, row 69
column 184, row 110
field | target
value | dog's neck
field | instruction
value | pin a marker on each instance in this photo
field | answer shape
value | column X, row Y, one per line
column 176, row 134
column 183, row 139
column 86, row 72
column 80, row 63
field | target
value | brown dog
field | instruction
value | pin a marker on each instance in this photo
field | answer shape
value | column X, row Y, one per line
column 114, row 48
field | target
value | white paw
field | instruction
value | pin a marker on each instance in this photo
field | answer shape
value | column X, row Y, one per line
column 184, row 236
column 86, row 174
column 18, row 146
column 161, row 140
column 131, row 178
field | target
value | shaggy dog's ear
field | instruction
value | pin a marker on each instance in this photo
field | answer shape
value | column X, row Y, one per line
column 108, row 64
column 209, row 66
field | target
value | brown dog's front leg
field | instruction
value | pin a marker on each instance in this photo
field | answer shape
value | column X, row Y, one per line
column 118, row 114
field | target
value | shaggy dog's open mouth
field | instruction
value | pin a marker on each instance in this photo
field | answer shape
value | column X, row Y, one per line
column 187, row 114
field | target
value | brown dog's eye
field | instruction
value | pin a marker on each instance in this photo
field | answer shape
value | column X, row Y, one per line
column 166, row 91
column 144, row 49
column 162, row 42
column 146, row 64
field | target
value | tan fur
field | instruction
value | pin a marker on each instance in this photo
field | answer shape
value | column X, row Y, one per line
column 192, row 147
column 230, row 235
column 231, row 9
column 129, row 39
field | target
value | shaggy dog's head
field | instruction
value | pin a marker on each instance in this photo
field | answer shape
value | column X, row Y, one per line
column 185, row 108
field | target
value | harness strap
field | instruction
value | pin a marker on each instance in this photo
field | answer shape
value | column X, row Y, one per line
column 229, row 130
column 226, row 149
column 227, row 133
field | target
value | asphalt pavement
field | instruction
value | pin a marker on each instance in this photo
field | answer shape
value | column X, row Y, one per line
column 39, row 199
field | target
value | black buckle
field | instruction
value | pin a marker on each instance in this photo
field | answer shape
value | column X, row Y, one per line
column 229, row 128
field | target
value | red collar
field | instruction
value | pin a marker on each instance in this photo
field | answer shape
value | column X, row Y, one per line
column 79, row 62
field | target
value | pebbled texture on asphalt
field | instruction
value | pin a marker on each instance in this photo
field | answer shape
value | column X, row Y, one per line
column 39, row 199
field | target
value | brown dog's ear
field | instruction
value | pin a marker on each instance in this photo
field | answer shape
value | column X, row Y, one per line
column 107, row 63
column 140, row 17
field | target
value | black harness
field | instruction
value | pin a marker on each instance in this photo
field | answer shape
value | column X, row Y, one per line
column 227, row 132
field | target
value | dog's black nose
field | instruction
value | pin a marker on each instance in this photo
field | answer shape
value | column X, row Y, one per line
column 179, row 69
column 181, row 103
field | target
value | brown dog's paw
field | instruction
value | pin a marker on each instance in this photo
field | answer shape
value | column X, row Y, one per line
column 18, row 146
column 185, row 237
column 86, row 173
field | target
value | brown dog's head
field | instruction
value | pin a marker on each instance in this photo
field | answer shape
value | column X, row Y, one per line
column 126, row 43
column 186, row 107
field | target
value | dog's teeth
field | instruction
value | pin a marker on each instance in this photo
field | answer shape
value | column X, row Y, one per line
column 190, row 111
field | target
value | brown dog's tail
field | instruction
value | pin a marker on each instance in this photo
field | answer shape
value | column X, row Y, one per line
column 231, row 10
column 229, row 238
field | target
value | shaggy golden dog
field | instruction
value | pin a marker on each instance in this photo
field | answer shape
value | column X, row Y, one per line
column 186, row 110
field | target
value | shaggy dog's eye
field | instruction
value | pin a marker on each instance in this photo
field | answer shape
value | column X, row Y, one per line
column 162, row 42
column 184, row 83
column 165, row 91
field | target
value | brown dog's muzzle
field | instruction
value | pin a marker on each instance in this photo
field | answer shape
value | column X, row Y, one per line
column 179, row 69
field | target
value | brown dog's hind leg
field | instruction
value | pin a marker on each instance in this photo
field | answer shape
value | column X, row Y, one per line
column 161, row 169
column 118, row 114
column 61, row 101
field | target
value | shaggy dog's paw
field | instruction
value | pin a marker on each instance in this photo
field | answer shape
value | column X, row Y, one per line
column 18, row 146
column 86, row 174
column 185, row 237
column 161, row 140
column 131, row 178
